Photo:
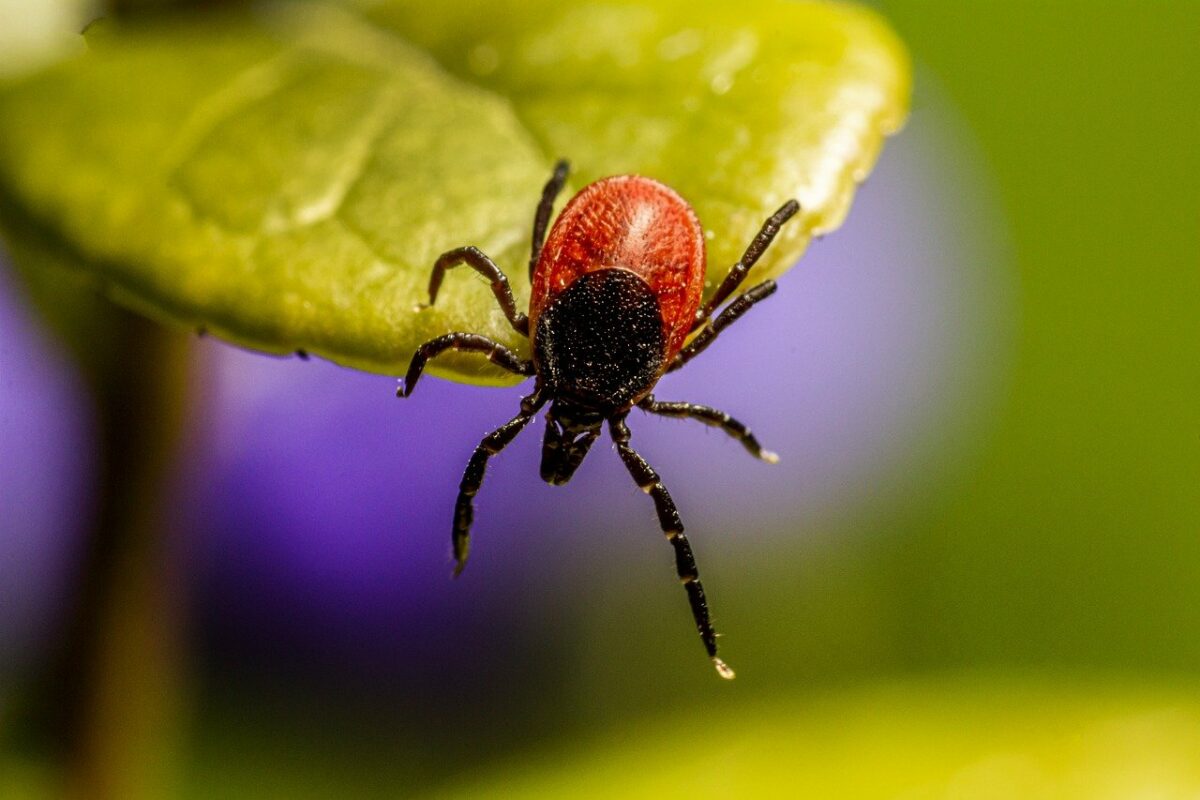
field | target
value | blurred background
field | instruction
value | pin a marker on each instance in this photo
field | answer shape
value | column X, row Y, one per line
column 974, row 573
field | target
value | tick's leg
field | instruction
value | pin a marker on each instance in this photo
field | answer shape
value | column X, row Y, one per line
column 668, row 518
column 757, row 247
column 727, row 317
column 542, row 218
column 714, row 418
column 476, row 260
column 493, row 443
column 497, row 353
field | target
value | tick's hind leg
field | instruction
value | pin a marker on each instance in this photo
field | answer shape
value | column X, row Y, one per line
column 497, row 353
column 728, row 286
column 542, row 217
column 493, row 443
column 668, row 518
column 475, row 258
column 714, row 418
column 754, row 251
column 727, row 317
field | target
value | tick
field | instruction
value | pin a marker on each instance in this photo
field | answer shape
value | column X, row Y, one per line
column 616, row 293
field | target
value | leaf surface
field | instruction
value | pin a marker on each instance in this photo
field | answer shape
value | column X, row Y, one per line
column 286, row 177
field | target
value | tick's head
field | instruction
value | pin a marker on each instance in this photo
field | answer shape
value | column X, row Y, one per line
column 570, row 431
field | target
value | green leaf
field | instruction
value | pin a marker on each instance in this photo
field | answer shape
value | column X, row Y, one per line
column 285, row 178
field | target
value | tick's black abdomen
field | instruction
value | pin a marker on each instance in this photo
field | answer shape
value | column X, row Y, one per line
column 600, row 342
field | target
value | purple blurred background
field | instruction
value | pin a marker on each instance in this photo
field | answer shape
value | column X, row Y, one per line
column 46, row 466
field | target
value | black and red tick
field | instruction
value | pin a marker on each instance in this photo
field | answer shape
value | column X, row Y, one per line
column 616, row 293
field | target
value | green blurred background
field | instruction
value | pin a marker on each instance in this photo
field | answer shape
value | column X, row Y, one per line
column 1072, row 540
column 1017, row 616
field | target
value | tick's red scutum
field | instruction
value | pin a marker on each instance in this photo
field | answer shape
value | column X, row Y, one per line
column 633, row 223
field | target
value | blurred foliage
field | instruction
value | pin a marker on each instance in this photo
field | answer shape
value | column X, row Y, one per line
column 982, row 738
column 287, row 177
column 1075, row 537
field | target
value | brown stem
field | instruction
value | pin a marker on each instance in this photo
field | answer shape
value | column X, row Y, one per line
column 110, row 704
column 130, row 694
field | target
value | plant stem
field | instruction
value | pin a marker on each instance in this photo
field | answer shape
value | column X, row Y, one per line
column 110, row 703
column 128, row 681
